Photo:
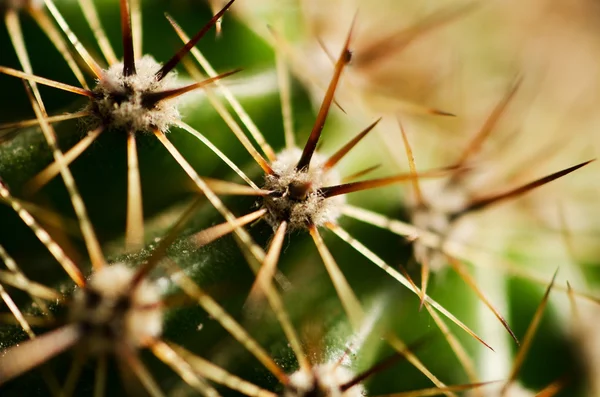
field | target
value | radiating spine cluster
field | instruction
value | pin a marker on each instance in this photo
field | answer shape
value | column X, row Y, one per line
column 116, row 309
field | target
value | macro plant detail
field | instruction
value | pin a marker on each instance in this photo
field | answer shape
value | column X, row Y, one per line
column 296, row 196
column 127, row 96
column 215, row 286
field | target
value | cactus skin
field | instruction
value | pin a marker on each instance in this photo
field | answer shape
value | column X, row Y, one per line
column 220, row 267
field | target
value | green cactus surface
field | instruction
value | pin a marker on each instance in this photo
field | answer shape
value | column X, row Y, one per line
column 462, row 261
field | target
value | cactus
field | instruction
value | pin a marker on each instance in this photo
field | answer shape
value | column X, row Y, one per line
column 165, row 226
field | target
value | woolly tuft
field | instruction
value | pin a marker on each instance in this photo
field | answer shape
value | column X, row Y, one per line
column 120, row 99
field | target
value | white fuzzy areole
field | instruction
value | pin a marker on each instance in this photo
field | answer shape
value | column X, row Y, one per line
column 97, row 308
column 324, row 380
column 130, row 114
column 315, row 209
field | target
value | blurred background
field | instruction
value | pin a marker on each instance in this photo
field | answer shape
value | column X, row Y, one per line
column 412, row 62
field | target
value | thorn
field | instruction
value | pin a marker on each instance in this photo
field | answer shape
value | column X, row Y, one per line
column 440, row 112
column 487, row 127
column 45, row 81
column 164, row 244
column 412, row 166
column 151, row 99
column 32, row 353
column 213, row 233
column 398, row 41
column 375, row 183
column 337, row 156
column 425, row 272
column 462, row 272
column 481, row 203
column 386, row 363
column 529, row 335
column 361, row 173
column 436, row 391
column 264, row 277
column 171, row 63
column 311, row 144
column 128, row 55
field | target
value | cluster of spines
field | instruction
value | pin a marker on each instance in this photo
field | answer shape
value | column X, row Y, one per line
column 295, row 193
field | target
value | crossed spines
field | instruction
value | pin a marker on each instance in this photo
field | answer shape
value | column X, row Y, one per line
column 280, row 218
